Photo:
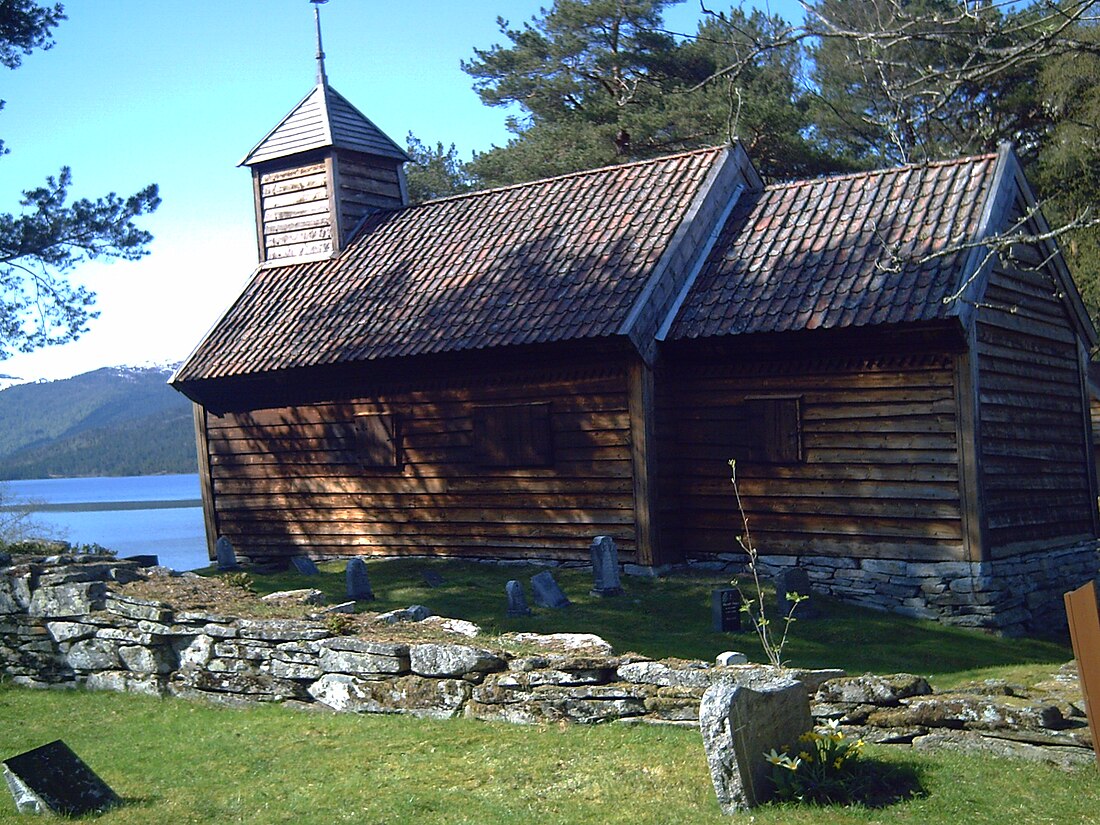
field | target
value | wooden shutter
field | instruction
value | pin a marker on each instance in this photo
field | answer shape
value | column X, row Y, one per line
column 774, row 429
column 516, row 435
column 376, row 439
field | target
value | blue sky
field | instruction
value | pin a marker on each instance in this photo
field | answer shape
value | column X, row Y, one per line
column 176, row 93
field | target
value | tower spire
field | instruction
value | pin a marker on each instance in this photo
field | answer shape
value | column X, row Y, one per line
column 322, row 79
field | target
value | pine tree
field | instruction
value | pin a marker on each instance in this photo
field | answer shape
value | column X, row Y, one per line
column 49, row 236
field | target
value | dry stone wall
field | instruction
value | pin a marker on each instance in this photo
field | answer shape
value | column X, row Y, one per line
column 1015, row 595
column 63, row 624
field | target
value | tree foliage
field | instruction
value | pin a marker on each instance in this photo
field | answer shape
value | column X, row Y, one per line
column 602, row 82
column 49, row 236
column 894, row 81
column 434, row 172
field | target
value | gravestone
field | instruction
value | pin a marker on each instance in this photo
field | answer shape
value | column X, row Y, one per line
column 53, row 779
column 432, row 579
column 740, row 722
column 725, row 610
column 546, row 592
column 223, row 551
column 5, row 559
column 358, row 582
column 304, row 565
column 517, row 601
column 605, row 567
column 794, row 580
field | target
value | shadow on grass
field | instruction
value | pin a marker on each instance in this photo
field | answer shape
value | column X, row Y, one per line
column 881, row 784
column 873, row 784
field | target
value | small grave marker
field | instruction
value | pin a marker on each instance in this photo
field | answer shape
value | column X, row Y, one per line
column 226, row 557
column 358, row 582
column 432, row 579
column 546, row 591
column 517, row 601
column 304, row 565
column 53, row 779
column 794, row 580
column 725, row 610
column 605, row 567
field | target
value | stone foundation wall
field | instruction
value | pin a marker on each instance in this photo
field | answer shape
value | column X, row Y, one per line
column 62, row 624
column 1017, row 595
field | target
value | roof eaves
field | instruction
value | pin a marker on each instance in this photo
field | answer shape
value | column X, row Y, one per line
column 682, row 235
column 396, row 151
column 974, row 274
column 247, row 160
column 175, row 380
column 700, row 262
column 1068, row 287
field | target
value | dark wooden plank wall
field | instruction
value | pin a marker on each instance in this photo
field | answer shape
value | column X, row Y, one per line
column 364, row 185
column 295, row 211
column 1034, row 449
column 287, row 480
column 878, row 476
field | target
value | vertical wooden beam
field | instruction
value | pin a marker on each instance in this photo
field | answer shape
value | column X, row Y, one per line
column 643, row 445
column 206, row 482
column 258, row 197
column 336, row 221
column 968, row 445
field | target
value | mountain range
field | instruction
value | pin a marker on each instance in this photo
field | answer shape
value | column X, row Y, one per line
column 115, row 421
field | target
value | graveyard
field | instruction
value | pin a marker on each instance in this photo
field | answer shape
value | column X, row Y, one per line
column 271, row 763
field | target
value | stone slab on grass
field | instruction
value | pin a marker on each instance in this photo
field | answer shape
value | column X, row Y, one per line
column 53, row 779
column 740, row 722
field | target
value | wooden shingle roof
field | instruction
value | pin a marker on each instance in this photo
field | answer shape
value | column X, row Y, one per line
column 845, row 251
column 554, row 260
column 324, row 118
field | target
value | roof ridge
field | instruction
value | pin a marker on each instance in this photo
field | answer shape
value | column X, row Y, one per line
column 905, row 167
column 580, row 173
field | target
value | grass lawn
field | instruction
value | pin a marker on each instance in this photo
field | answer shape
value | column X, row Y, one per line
column 670, row 617
column 178, row 762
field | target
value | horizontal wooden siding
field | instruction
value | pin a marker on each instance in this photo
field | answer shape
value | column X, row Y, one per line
column 289, row 481
column 878, row 474
column 1034, row 448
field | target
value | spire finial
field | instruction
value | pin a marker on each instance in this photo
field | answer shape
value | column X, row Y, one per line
column 321, row 78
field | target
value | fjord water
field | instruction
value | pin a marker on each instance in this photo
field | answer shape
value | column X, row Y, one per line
column 130, row 514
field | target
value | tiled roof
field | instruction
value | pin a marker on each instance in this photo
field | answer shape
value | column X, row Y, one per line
column 553, row 260
column 322, row 119
column 840, row 252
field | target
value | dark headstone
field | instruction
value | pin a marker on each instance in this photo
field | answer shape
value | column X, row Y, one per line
column 304, row 565
column 605, row 567
column 432, row 579
column 358, row 581
column 517, row 601
column 53, row 779
column 546, row 591
column 223, row 550
column 5, row 559
column 725, row 610
column 790, row 581
column 144, row 559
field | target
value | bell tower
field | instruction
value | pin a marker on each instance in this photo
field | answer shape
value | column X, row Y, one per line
column 320, row 172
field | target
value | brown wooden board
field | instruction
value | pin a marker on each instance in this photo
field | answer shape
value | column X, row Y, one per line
column 1084, row 631
column 408, row 470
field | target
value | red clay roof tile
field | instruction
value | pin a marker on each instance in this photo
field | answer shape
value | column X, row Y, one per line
column 821, row 253
column 552, row 260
